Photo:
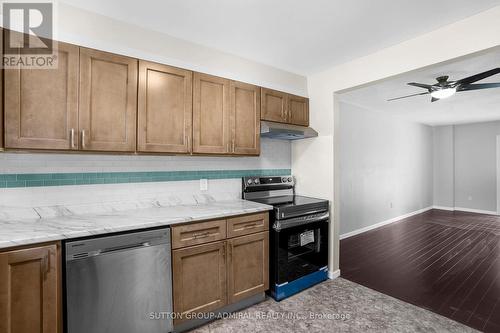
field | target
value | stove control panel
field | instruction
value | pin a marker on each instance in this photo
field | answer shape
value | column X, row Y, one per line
column 268, row 181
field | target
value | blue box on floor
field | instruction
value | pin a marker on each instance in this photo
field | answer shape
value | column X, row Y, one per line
column 280, row 292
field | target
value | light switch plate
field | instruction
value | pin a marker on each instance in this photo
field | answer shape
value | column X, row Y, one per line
column 203, row 184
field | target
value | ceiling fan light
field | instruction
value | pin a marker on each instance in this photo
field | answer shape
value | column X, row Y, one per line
column 444, row 93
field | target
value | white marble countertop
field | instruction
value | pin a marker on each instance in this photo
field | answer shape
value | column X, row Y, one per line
column 23, row 231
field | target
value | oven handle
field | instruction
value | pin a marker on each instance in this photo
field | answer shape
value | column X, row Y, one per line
column 294, row 222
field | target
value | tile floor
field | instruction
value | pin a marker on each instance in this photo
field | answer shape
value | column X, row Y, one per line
column 349, row 306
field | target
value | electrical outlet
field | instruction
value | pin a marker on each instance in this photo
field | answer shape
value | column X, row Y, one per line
column 203, row 184
column 391, row 205
column 469, row 197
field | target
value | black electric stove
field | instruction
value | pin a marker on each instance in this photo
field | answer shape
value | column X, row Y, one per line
column 287, row 206
column 298, row 237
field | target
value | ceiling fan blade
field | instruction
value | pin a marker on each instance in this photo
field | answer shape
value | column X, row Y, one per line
column 420, row 85
column 477, row 77
column 479, row 86
column 393, row 99
column 434, row 99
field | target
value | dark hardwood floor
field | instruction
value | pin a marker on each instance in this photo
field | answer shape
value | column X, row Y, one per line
column 446, row 262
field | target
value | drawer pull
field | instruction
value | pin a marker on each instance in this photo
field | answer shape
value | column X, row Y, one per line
column 202, row 234
column 251, row 225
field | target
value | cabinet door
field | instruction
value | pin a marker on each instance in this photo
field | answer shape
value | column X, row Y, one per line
column 245, row 119
column 210, row 114
column 199, row 278
column 248, row 266
column 108, row 101
column 274, row 105
column 298, row 110
column 1, row 92
column 29, row 294
column 41, row 104
column 165, row 108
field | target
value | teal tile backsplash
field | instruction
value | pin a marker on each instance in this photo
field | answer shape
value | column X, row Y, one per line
column 62, row 179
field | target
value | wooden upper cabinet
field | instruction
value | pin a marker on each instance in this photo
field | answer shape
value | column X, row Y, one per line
column 245, row 119
column 298, row 110
column 29, row 290
column 165, row 108
column 211, row 130
column 41, row 104
column 247, row 266
column 108, row 101
column 273, row 105
column 1, row 92
column 199, row 278
column 284, row 108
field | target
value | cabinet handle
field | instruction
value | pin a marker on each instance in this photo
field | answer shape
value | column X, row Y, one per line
column 233, row 145
column 250, row 225
column 188, row 143
column 224, row 250
column 83, row 138
column 227, row 147
column 202, row 235
column 72, row 138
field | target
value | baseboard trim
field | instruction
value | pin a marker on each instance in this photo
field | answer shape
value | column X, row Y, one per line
column 334, row 274
column 383, row 223
column 479, row 211
column 468, row 210
column 444, row 208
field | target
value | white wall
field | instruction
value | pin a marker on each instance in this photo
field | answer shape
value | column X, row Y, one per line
column 470, row 180
column 444, row 161
column 475, row 166
column 474, row 34
column 78, row 26
column 386, row 167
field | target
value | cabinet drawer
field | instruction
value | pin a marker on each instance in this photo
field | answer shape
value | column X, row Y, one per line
column 198, row 233
column 249, row 224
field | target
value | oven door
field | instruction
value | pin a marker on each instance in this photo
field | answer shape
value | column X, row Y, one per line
column 300, row 248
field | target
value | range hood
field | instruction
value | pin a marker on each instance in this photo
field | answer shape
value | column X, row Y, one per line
column 281, row 131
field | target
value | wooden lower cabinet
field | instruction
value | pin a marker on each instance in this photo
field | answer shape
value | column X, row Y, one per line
column 209, row 276
column 30, row 290
column 199, row 279
column 247, row 266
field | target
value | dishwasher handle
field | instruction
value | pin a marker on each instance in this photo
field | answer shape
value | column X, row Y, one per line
column 95, row 253
column 85, row 248
column 125, row 247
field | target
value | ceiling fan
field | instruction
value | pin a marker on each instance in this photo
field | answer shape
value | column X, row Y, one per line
column 445, row 88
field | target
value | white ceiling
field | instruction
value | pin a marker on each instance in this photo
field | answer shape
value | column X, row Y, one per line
column 296, row 35
column 464, row 107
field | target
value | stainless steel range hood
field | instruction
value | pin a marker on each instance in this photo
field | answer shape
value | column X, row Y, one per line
column 280, row 131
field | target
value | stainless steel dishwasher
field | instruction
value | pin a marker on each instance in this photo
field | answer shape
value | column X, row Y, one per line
column 119, row 284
